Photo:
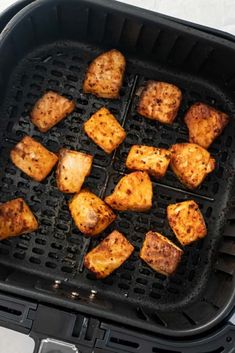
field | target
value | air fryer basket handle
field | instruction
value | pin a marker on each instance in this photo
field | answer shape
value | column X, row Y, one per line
column 74, row 333
column 71, row 332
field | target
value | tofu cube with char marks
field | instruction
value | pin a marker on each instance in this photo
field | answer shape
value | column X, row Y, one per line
column 105, row 130
column 33, row 158
column 186, row 221
column 133, row 192
column 160, row 101
column 72, row 169
column 50, row 109
column 16, row 218
column 105, row 74
column 191, row 163
column 160, row 253
column 205, row 124
column 90, row 214
column 110, row 254
column 153, row 160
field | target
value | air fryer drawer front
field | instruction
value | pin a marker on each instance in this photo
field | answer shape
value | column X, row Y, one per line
column 57, row 330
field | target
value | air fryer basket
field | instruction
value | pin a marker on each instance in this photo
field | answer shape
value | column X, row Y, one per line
column 48, row 45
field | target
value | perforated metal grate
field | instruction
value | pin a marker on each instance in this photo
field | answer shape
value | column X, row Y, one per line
column 57, row 249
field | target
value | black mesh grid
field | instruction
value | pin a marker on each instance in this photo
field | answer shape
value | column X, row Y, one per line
column 57, row 249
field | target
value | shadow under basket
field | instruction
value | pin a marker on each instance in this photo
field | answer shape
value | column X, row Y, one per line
column 47, row 46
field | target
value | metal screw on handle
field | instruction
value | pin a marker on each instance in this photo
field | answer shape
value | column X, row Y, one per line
column 56, row 283
column 93, row 294
column 75, row 295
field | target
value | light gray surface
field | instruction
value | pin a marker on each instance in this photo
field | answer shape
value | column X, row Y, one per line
column 219, row 14
column 15, row 342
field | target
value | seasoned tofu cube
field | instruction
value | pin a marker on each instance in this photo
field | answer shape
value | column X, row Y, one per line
column 104, row 75
column 205, row 124
column 110, row 254
column 90, row 214
column 133, row 192
column 160, row 101
column 50, row 109
column 160, row 253
column 191, row 163
column 16, row 218
column 105, row 130
column 153, row 160
column 72, row 169
column 186, row 221
column 33, row 158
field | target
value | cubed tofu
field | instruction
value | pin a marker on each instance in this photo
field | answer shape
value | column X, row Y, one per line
column 110, row 254
column 160, row 101
column 72, row 169
column 160, row 253
column 205, row 124
column 105, row 74
column 153, row 160
column 191, row 163
column 133, row 192
column 50, row 109
column 16, row 218
column 90, row 214
column 105, row 130
column 186, row 221
column 33, row 158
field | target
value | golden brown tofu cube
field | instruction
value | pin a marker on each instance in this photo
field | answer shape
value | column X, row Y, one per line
column 186, row 221
column 33, row 158
column 72, row 169
column 205, row 124
column 191, row 163
column 105, row 130
column 160, row 101
column 160, row 253
column 153, row 160
column 16, row 219
column 50, row 109
column 110, row 254
column 90, row 214
column 104, row 75
column 133, row 192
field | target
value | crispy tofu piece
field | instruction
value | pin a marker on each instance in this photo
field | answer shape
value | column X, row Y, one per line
column 191, row 163
column 205, row 124
column 133, row 192
column 72, row 169
column 105, row 130
column 90, row 214
column 160, row 101
column 186, row 221
column 33, row 158
column 160, row 253
column 16, row 218
column 104, row 75
column 153, row 160
column 110, row 254
column 50, row 109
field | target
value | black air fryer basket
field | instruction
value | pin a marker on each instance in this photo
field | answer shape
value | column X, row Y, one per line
column 44, row 286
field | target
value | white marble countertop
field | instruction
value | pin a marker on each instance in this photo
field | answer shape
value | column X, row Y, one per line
column 218, row 14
